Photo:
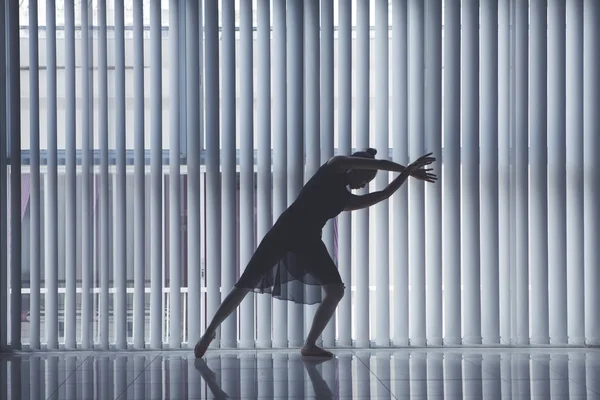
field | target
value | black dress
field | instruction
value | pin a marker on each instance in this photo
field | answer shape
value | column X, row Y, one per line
column 292, row 262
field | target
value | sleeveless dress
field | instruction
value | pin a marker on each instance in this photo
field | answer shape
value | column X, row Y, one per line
column 292, row 262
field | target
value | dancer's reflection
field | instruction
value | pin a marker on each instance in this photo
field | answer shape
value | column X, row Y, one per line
column 210, row 377
column 322, row 389
column 320, row 386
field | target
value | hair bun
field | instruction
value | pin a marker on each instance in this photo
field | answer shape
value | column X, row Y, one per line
column 372, row 151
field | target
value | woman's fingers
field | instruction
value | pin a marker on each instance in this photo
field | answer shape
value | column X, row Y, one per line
column 425, row 172
column 428, row 177
column 422, row 163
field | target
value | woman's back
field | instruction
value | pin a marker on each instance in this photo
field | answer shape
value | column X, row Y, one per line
column 323, row 197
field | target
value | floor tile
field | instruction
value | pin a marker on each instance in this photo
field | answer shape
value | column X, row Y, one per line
column 473, row 373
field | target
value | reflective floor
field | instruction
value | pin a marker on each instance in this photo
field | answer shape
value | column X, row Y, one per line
column 281, row 374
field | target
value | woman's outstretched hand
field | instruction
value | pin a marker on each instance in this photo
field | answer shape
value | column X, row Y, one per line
column 417, row 169
column 424, row 175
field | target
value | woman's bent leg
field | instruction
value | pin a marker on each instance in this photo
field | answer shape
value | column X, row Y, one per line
column 333, row 294
column 323, row 269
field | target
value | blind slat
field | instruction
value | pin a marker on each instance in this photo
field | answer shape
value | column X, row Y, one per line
column 504, row 66
column 14, row 134
column 400, row 155
column 156, row 178
column 194, row 58
column 120, row 220
column 591, row 146
column 175, row 335
column 35, row 200
column 280, row 137
column 470, row 229
column 265, row 144
column 538, row 160
column 312, row 129
column 246, row 81
column 139, row 218
column 4, row 314
column 416, row 127
column 344, row 94
column 103, row 131
column 381, row 210
column 71, row 181
column 327, row 132
column 574, row 150
column 360, row 130
column 557, row 218
column 295, row 145
column 228, row 171
column 51, row 190
column 87, row 185
column 520, row 280
column 433, row 193
column 488, row 128
column 213, row 190
column 451, row 175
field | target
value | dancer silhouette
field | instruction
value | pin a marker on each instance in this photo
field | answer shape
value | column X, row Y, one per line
column 292, row 254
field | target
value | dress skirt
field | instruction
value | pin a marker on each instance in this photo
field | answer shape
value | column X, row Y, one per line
column 291, row 263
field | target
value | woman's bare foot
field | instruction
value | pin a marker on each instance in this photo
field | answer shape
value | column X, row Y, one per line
column 315, row 351
column 202, row 345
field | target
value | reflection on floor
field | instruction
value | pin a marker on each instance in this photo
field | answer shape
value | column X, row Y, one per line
column 475, row 373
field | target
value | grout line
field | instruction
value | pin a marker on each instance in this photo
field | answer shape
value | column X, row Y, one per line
column 373, row 373
column 550, row 368
column 124, row 392
column 70, row 375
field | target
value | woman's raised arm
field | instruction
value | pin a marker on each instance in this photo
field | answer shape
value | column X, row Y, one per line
column 344, row 163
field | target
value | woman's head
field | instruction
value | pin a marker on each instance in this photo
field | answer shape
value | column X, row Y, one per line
column 358, row 179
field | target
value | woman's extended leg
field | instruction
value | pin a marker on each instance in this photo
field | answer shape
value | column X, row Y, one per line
column 229, row 305
column 266, row 256
column 333, row 294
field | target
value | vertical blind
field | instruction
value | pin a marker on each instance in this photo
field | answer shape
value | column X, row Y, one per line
column 147, row 147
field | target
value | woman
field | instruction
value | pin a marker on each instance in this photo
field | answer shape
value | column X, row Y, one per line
column 292, row 254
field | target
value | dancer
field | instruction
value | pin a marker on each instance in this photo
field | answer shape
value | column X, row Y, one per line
column 292, row 254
